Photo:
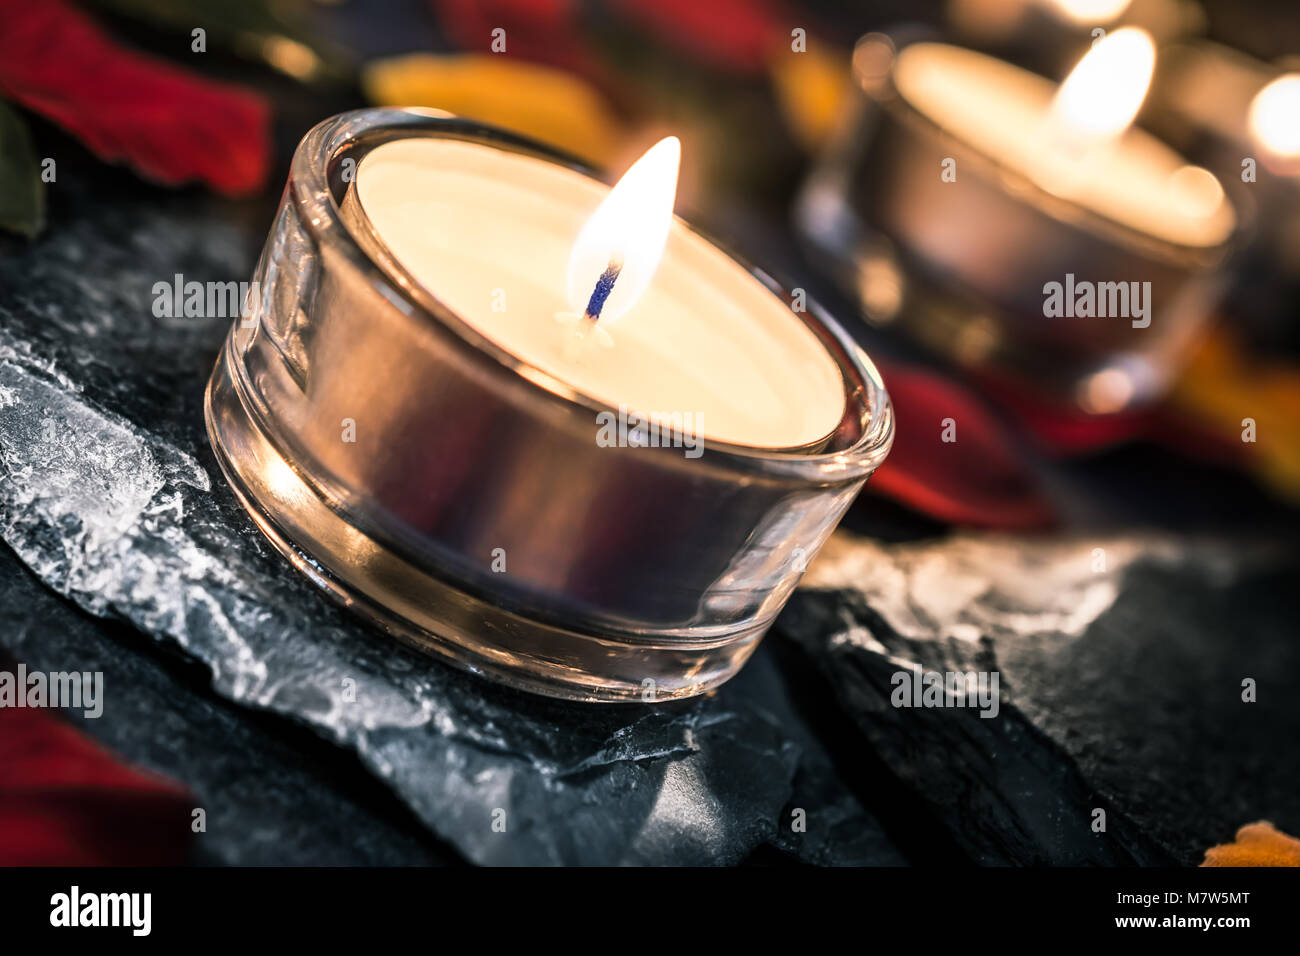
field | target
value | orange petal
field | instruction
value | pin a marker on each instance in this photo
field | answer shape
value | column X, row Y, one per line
column 1257, row 844
column 811, row 88
column 1223, row 386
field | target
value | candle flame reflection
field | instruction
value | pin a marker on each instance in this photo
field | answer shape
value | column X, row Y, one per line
column 628, row 230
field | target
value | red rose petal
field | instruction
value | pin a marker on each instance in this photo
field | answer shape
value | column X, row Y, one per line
column 539, row 31
column 979, row 479
column 66, row 801
column 1062, row 429
column 168, row 124
column 731, row 34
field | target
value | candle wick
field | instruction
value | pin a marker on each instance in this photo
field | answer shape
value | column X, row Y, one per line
column 604, row 286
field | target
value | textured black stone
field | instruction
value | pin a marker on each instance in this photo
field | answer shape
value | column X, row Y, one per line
column 272, row 794
column 110, row 495
column 1134, row 706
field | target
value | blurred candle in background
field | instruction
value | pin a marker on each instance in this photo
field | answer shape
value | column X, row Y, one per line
column 967, row 185
column 1075, row 141
column 1274, row 121
column 1241, row 116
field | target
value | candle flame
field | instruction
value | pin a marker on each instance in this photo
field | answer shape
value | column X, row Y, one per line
column 1103, row 93
column 625, row 236
column 1086, row 12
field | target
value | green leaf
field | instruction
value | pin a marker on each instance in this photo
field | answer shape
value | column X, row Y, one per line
column 277, row 34
column 22, row 194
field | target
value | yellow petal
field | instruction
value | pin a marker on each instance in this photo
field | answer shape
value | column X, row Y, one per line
column 810, row 90
column 1257, row 844
column 1222, row 386
column 547, row 104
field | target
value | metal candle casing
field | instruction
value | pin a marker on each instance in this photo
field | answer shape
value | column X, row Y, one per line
column 962, row 265
column 474, row 514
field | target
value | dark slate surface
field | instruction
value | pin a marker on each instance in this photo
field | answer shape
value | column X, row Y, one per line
column 111, row 497
column 273, row 794
column 1121, row 688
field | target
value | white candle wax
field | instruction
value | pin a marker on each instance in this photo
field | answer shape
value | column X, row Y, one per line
column 1006, row 113
column 489, row 234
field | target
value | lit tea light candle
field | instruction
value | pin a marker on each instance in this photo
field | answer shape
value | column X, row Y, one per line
column 1274, row 120
column 977, row 185
column 498, row 237
column 1243, row 115
column 447, row 314
column 1249, row 109
column 1075, row 141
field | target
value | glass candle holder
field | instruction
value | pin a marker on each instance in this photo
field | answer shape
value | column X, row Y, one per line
column 471, row 511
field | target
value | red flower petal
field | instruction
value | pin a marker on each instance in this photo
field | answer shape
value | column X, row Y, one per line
column 979, row 479
column 540, row 31
column 730, row 34
column 1066, row 431
column 1060, row 428
column 169, row 125
column 66, row 801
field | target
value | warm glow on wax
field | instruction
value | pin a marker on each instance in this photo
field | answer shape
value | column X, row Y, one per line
column 490, row 234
